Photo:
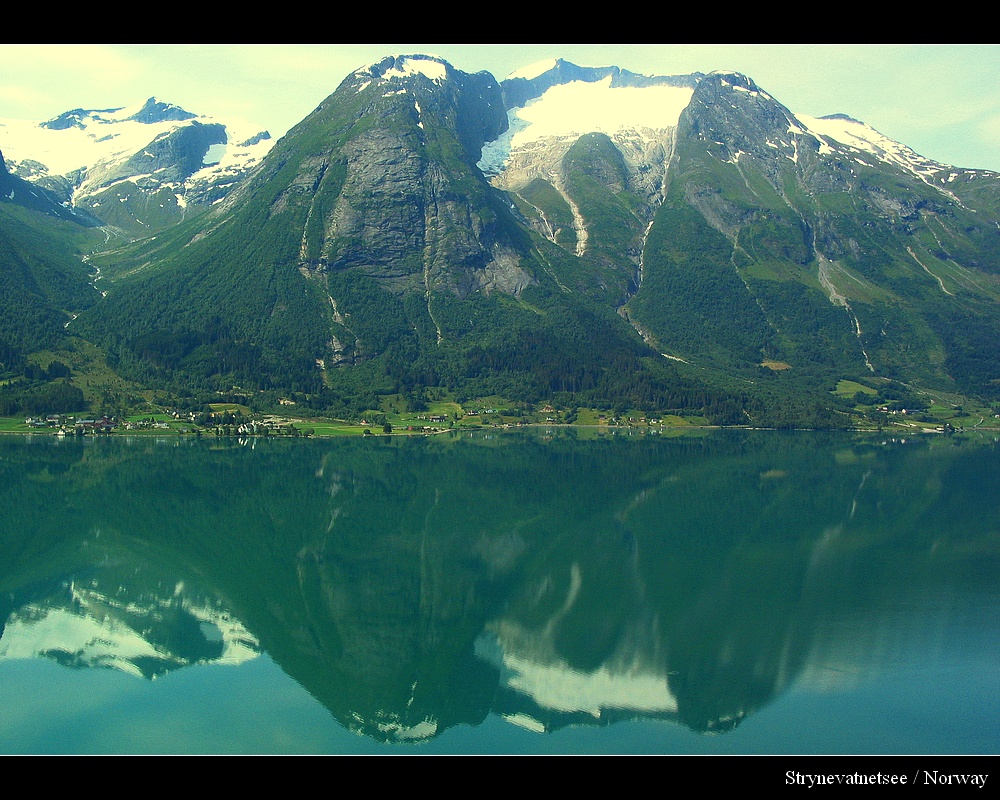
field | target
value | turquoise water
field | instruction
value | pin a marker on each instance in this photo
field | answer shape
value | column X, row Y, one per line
column 728, row 592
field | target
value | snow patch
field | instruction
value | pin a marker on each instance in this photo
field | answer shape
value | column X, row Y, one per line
column 407, row 67
column 533, row 71
column 572, row 109
column 864, row 138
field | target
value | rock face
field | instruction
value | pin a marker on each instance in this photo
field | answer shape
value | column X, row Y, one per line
column 174, row 156
column 411, row 209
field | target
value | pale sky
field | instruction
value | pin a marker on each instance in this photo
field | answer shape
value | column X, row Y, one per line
column 941, row 100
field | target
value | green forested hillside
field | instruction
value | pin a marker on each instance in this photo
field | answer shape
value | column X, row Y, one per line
column 42, row 277
column 44, row 281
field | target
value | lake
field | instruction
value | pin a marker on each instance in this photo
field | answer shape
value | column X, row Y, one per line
column 719, row 592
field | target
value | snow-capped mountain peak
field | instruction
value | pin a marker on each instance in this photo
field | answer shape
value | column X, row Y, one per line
column 401, row 67
column 866, row 146
column 533, row 71
column 150, row 112
column 88, row 157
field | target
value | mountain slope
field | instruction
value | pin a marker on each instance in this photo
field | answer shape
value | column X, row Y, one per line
column 818, row 245
column 814, row 226
column 42, row 276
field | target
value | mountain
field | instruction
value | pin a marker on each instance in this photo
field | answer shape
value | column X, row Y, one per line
column 575, row 235
column 140, row 168
column 753, row 236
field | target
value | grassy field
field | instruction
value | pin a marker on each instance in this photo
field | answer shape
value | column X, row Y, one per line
column 153, row 417
column 332, row 428
column 91, row 373
column 850, row 388
column 232, row 408
column 13, row 425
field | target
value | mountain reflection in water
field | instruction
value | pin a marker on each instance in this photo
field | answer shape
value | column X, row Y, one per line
column 414, row 585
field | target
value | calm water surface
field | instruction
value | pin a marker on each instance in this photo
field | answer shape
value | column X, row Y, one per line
column 729, row 592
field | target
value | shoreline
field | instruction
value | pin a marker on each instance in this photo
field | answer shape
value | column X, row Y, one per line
column 369, row 433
